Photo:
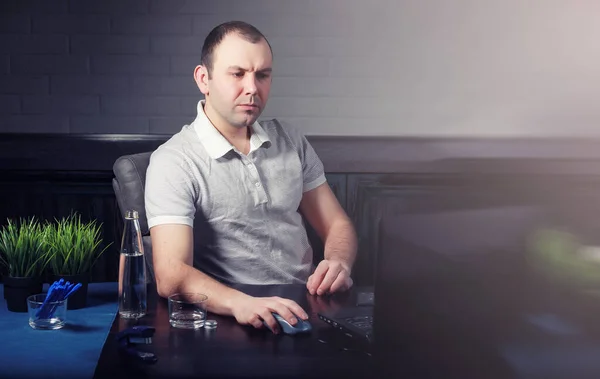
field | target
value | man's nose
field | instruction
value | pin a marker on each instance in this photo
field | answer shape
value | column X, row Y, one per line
column 250, row 84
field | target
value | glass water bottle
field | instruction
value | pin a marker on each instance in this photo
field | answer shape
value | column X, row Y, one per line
column 132, row 270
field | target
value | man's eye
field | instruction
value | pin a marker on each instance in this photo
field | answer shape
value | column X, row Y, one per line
column 237, row 74
column 262, row 76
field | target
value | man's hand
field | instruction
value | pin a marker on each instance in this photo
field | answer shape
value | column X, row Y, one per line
column 330, row 276
column 250, row 310
column 320, row 304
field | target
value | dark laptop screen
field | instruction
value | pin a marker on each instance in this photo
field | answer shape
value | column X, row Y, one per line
column 496, row 291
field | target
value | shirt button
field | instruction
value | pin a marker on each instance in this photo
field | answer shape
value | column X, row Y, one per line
column 257, row 184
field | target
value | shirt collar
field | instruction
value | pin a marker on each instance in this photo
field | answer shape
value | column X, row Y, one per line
column 213, row 141
column 259, row 137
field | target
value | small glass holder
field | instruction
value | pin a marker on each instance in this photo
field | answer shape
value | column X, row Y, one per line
column 52, row 316
column 187, row 310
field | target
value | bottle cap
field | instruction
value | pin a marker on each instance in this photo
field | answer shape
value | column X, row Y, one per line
column 131, row 214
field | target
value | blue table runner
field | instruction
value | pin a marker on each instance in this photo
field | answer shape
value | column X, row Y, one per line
column 70, row 352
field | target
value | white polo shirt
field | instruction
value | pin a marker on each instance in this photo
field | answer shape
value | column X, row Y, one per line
column 244, row 209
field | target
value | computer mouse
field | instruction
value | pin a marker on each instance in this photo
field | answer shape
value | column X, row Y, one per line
column 302, row 326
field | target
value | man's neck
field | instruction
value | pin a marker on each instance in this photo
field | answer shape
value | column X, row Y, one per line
column 238, row 137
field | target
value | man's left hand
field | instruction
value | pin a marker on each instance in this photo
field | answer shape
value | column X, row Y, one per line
column 330, row 276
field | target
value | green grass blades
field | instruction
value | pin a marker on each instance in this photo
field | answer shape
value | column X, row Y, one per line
column 73, row 245
column 22, row 248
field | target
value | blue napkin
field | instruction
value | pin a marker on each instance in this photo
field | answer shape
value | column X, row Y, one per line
column 70, row 352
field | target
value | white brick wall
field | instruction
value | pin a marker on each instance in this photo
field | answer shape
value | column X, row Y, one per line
column 49, row 64
column 4, row 65
column 24, row 84
column 342, row 67
column 130, row 64
column 9, row 104
column 60, row 104
column 70, row 24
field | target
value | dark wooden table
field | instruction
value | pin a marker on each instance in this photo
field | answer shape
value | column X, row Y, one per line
column 233, row 351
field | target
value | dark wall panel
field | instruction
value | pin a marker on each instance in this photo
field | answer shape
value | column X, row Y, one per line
column 50, row 176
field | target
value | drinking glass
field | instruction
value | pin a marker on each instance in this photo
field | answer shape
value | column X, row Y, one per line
column 53, row 314
column 187, row 310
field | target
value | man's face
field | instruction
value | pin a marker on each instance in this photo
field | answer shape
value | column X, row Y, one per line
column 240, row 81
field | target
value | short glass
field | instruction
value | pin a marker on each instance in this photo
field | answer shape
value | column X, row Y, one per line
column 187, row 310
column 52, row 316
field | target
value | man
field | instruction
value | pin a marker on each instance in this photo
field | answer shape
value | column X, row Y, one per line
column 241, row 184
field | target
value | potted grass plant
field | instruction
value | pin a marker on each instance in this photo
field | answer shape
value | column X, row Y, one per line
column 23, row 258
column 74, row 248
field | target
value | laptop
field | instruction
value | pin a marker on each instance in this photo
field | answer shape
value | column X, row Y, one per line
column 477, row 310
column 354, row 321
column 420, row 255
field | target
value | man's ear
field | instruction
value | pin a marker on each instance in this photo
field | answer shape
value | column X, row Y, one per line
column 201, row 78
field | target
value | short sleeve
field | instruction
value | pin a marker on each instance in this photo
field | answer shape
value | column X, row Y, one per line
column 169, row 194
column 312, row 167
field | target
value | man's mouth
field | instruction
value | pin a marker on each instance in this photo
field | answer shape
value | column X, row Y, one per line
column 249, row 107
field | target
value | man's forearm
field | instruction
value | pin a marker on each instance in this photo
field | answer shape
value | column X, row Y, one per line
column 185, row 278
column 341, row 243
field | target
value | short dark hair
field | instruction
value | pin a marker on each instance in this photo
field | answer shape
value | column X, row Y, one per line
column 214, row 38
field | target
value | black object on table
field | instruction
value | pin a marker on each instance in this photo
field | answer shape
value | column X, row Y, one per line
column 129, row 340
column 233, row 351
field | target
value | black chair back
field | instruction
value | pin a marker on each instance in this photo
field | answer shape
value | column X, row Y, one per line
column 129, row 184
